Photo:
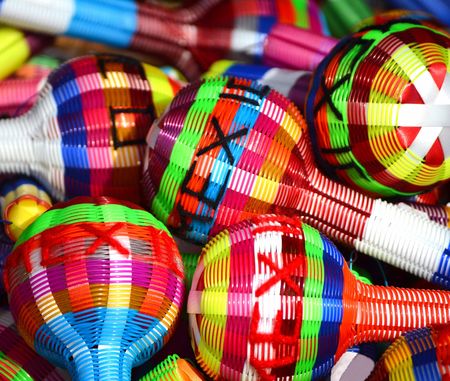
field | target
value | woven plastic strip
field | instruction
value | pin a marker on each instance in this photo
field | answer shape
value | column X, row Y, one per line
column 293, row 84
column 173, row 368
column 231, row 148
column 22, row 200
column 419, row 355
column 95, row 286
column 16, row 47
column 379, row 109
column 273, row 299
column 18, row 362
column 86, row 133
column 192, row 37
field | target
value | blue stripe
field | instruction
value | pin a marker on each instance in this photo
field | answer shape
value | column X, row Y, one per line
column 253, row 72
column 423, row 357
column 73, row 131
column 222, row 170
column 442, row 275
column 332, row 310
column 113, row 22
column 116, row 329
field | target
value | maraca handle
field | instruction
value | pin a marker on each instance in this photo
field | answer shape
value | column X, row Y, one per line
column 407, row 239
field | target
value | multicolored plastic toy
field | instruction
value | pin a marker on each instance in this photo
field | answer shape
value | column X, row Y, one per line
column 86, row 133
column 191, row 37
column 17, row 46
column 173, row 368
column 419, row 355
column 22, row 200
column 228, row 149
column 379, row 109
column 273, row 299
column 95, row 285
column 293, row 84
column 18, row 362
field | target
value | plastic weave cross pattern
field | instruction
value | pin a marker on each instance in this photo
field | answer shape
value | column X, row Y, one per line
column 379, row 108
column 273, row 299
column 95, row 286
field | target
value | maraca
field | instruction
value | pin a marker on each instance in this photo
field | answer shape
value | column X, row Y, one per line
column 190, row 37
column 18, row 362
column 86, row 133
column 227, row 149
column 419, row 355
column 273, row 299
column 173, row 368
column 95, row 285
column 22, row 200
column 379, row 109
column 293, row 84
column 16, row 47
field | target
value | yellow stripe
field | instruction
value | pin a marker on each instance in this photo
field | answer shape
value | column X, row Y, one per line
column 160, row 87
column 218, row 68
column 14, row 50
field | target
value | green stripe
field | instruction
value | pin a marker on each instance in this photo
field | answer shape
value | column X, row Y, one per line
column 9, row 372
column 185, row 146
column 301, row 13
column 312, row 304
column 89, row 213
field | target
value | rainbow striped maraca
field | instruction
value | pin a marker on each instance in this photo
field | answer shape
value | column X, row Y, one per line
column 379, row 109
column 227, row 149
column 419, row 355
column 273, row 299
column 95, row 285
column 85, row 134
column 191, row 37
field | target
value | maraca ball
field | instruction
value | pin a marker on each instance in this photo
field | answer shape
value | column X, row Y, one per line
column 379, row 109
column 95, row 285
column 266, row 302
column 226, row 149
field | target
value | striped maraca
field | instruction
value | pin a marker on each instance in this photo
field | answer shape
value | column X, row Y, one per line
column 85, row 135
column 273, row 299
column 379, row 109
column 190, row 37
column 95, row 285
column 227, row 149
column 419, row 355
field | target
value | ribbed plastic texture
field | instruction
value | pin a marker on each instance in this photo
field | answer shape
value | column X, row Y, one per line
column 95, row 285
column 86, row 133
column 272, row 298
column 419, row 355
column 22, row 200
column 228, row 149
column 173, row 368
column 191, row 37
column 293, row 84
column 18, row 362
column 379, row 107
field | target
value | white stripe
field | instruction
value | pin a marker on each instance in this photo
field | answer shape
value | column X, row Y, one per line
column 282, row 80
column 48, row 16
